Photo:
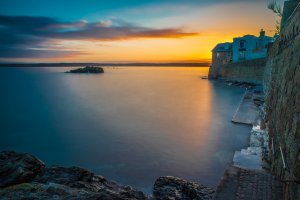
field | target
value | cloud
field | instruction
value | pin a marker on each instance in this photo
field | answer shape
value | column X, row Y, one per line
column 34, row 53
column 24, row 36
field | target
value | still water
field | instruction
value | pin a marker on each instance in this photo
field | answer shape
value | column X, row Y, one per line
column 130, row 124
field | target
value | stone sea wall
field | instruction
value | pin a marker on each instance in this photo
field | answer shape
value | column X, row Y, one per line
column 251, row 71
column 282, row 87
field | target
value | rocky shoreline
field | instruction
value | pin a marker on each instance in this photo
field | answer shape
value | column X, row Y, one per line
column 23, row 176
column 249, row 176
column 250, row 112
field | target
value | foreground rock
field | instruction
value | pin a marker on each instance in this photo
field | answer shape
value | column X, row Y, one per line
column 23, row 176
column 171, row 188
column 93, row 70
column 18, row 168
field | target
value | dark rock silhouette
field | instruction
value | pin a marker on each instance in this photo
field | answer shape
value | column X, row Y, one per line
column 23, row 176
column 88, row 69
column 167, row 188
column 18, row 168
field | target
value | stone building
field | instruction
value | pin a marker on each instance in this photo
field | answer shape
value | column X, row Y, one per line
column 248, row 47
column 222, row 53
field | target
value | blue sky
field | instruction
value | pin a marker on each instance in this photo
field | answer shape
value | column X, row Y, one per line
column 74, row 9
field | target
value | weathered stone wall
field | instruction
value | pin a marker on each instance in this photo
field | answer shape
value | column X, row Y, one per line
column 251, row 71
column 282, row 85
column 289, row 7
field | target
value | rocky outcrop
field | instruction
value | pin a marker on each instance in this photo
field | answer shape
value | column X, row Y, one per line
column 57, row 191
column 92, row 70
column 172, row 188
column 18, row 168
column 23, row 176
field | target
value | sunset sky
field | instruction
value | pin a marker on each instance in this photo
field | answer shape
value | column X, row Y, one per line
column 125, row 30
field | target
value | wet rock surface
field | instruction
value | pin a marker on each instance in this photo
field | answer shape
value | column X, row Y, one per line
column 23, row 176
column 172, row 188
column 18, row 168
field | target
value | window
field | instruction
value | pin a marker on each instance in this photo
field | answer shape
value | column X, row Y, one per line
column 242, row 44
column 218, row 55
column 242, row 55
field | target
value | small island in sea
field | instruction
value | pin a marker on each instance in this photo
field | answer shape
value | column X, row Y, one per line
column 87, row 69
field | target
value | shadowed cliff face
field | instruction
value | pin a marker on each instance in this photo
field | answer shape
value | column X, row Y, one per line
column 282, row 82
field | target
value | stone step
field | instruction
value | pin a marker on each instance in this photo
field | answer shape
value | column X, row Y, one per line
column 245, row 184
column 247, row 111
column 250, row 158
column 247, row 160
column 252, row 151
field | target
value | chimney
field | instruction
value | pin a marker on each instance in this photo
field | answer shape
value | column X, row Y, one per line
column 262, row 33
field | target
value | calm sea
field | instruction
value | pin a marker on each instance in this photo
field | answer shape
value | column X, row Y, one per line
column 130, row 124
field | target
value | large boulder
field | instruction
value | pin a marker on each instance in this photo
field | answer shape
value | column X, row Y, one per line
column 18, row 168
column 23, row 176
column 82, row 179
column 172, row 188
column 52, row 191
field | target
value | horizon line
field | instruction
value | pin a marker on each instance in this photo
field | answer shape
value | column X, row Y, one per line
column 202, row 64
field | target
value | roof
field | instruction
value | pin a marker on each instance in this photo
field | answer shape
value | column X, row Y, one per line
column 223, row 47
column 245, row 37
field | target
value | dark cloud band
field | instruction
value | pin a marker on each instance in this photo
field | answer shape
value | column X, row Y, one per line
column 22, row 36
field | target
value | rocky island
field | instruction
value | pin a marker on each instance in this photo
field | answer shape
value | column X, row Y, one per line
column 87, row 69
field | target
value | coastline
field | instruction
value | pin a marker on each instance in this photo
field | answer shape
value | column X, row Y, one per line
column 249, row 112
column 24, row 176
column 249, row 176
